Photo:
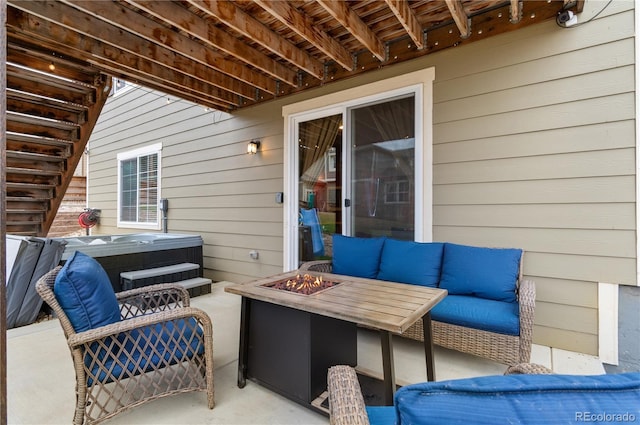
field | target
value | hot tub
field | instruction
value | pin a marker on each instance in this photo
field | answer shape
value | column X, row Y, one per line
column 136, row 251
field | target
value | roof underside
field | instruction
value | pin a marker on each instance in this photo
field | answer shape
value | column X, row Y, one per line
column 228, row 55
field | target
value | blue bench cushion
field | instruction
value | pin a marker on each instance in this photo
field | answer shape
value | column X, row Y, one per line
column 522, row 399
column 84, row 292
column 489, row 273
column 478, row 313
column 381, row 415
column 177, row 341
column 411, row 262
column 359, row 257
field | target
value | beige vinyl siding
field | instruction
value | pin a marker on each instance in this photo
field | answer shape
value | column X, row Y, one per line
column 533, row 147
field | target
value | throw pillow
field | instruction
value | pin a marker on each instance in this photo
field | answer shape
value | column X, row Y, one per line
column 359, row 257
column 489, row 273
column 84, row 292
column 411, row 262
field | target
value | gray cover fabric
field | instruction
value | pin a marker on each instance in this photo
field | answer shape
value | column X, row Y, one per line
column 49, row 258
column 28, row 259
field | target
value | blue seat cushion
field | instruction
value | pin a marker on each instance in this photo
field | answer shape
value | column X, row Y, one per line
column 478, row 313
column 522, row 399
column 411, row 262
column 177, row 341
column 84, row 292
column 381, row 415
column 359, row 257
column 489, row 273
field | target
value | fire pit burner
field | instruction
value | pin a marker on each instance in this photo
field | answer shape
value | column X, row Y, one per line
column 303, row 284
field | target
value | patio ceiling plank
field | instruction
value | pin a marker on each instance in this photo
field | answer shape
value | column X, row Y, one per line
column 209, row 34
column 408, row 19
column 115, row 60
column 342, row 13
column 303, row 26
column 234, row 17
column 113, row 15
column 459, row 17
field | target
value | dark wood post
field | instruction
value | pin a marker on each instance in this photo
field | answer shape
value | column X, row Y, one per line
column 3, row 211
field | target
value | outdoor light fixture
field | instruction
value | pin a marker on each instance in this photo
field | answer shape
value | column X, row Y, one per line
column 253, row 146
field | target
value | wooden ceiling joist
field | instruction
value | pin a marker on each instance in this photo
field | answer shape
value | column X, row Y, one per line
column 138, row 50
column 211, row 36
column 93, row 19
column 71, row 43
column 341, row 12
column 304, row 27
column 234, row 17
column 459, row 17
column 408, row 20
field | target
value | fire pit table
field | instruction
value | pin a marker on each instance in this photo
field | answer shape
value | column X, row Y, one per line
column 289, row 339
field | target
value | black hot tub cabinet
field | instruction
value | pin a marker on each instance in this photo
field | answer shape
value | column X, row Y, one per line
column 139, row 251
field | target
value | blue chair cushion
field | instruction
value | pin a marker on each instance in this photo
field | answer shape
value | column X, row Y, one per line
column 381, row 415
column 522, row 399
column 478, row 313
column 157, row 345
column 359, row 257
column 84, row 292
column 411, row 262
column 489, row 273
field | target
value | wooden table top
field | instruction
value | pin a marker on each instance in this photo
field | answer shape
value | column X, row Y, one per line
column 375, row 303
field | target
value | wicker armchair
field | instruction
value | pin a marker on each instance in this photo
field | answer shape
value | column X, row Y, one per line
column 506, row 349
column 346, row 403
column 162, row 346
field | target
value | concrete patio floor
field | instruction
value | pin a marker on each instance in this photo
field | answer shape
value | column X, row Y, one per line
column 41, row 379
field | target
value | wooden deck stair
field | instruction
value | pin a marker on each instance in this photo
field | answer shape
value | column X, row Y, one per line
column 53, row 104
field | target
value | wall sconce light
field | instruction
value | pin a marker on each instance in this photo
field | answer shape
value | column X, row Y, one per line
column 253, row 146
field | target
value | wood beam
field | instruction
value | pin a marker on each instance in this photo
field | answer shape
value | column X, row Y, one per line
column 68, row 42
column 142, row 29
column 515, row 11
column 459, row 17
column 304, row 27
column 3, row 214
column 408, row 19
column 231, row 15
column 88, row 26
column 214, row 37
column 117, row 62
column 351, row 22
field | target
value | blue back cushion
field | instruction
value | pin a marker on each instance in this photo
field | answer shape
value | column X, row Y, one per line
column 359, row 257
column 483, row 272
column 516, row 399
column 411, row 262
column 84, row 292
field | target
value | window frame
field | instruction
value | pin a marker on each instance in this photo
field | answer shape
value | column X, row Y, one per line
column 138, row 153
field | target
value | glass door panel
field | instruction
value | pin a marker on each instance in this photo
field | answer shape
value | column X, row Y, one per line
column 319, row 186
column 382, row 176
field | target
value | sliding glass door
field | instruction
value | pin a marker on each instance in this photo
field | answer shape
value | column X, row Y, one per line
column 379, row 194
column 319, row 185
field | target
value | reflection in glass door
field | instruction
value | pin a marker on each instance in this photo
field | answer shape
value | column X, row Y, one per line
column 319, row 186
column 382, row 170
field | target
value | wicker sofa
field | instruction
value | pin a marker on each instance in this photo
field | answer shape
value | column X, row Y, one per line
column 530, row 394
column 489, row 279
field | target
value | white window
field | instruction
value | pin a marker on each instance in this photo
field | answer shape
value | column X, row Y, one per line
column 139, row 188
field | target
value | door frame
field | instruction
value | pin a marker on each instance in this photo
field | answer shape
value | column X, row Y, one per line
column 420, row 83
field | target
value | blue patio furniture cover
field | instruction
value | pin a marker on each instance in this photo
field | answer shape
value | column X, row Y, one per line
column 310, row 218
